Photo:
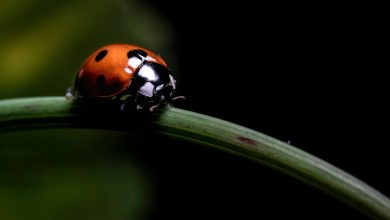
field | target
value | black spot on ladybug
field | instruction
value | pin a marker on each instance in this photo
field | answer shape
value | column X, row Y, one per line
column 101, row 55
column 137, row 53
column 100, row 81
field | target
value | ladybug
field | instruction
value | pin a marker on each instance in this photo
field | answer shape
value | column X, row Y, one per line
column 135, row 76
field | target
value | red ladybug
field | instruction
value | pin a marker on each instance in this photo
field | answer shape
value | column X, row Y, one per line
column 136, row 76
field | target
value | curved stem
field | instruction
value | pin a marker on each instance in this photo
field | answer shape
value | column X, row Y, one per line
column 17, row 114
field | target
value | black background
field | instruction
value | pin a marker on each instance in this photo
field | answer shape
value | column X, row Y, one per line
column 313, row 74
column 310, row 74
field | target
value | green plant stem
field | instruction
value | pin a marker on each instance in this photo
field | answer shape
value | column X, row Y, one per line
column 28, row 113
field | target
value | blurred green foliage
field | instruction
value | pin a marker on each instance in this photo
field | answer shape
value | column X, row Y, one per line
column 45, row 42
column 70, row 174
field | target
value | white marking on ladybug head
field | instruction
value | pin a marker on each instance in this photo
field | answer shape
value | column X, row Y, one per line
column 128, row 70
column 159, row 87
column 147, row 89
column 148, row 73
column 149, row 58
column 134, row 62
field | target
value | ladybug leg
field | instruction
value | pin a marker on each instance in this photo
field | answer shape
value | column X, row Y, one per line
column 126, row 102
column 70, row 96
column 123, row 107
column 173, row 99
column 162, row 100
column 152, row 108
column 179, row 98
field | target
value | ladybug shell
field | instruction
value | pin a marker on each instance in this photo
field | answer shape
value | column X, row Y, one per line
column 109, row 70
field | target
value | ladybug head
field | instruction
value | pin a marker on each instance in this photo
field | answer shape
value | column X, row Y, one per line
column 152, row 79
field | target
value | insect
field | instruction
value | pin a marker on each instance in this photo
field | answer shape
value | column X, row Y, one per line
column 136, row 76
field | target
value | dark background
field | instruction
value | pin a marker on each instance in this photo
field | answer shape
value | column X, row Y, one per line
column 310, row 74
